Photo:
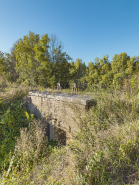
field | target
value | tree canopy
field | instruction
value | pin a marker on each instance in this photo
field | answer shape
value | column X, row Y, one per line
column 39, row 60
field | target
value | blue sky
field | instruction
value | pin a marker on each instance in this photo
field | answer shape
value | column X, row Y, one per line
column 87, row 28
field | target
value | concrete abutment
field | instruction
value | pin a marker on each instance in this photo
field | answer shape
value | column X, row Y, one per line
column 61, row 111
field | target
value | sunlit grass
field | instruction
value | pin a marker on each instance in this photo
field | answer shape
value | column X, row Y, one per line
column 105, row 151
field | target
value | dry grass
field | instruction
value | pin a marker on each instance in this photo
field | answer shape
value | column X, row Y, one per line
column 105, row 150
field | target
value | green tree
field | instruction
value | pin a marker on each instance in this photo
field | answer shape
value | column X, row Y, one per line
column 136, row 64
column 119, row 62
column 105, row 68
column 12, row 61
column 59, row 63
column 5, row 66
column 90, row 71
column 41, row 60
column 44, row 71
column 77, row 72
column 2, row 62
column 132, row 66
column 119, row 65
column 94, row 72
column 27, row 67
column 72, row 70
column 80, row 67
column 99, row 72
column 62, row 68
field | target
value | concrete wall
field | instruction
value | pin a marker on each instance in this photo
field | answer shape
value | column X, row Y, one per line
column 61, row 112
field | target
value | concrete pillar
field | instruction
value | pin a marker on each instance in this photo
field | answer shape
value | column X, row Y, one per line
column 51, row 131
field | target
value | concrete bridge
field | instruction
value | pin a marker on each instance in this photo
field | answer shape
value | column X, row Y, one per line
column 61, row 112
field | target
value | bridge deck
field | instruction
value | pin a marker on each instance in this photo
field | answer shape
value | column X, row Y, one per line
column 79, row 99
column 61, row 110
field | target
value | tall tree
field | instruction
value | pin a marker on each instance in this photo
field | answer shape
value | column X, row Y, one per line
column 59, row 62
column 29, row 51
column 136, row 64
column 42, row 56
column 80, row 69
column 2, row 62
column 119, row 62
column 12, row 61
column 131, row 65
column 5, row 66
column 119, row 65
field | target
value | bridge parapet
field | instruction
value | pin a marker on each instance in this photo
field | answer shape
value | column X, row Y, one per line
column 60, row 110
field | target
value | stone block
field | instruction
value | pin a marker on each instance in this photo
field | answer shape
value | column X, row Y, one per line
column 63, row 111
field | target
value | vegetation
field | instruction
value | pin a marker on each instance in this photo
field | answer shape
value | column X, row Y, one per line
column 36, row 60
column 12, row 118
column 105, row 151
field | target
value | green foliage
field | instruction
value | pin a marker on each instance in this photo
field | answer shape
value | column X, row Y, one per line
column 60, row 67
column 119, row 62
column 119, row 78
column 77, row 70
column 27, row 67
column 100, row 72
column 12, row 118
column 38, row 64
column 2, row 62
column 130, row 70
column 104, row 151
column 109, row 136
column 5, row 67
column 36, row 60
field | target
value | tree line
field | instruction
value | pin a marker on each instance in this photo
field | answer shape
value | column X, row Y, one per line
column 39, row 60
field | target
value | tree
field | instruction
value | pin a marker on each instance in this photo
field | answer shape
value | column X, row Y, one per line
column 94, row 72
column 59, row 63
column 12, row 61
column 5, row 66
column 105, row 68
column 136, row 64
column 72, row 70
column 2, row 62
column 41, row 60
column 80, row 67
column 91, row 68
column 42, row 56
column 119, row 63
column 131, row 65
column 62, row 68
column 29, row 52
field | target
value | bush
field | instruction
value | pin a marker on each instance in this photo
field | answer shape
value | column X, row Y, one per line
column 105, row 151
column 12, row 118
